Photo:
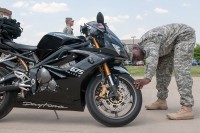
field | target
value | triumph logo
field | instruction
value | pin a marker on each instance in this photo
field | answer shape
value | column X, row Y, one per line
column 43, row 105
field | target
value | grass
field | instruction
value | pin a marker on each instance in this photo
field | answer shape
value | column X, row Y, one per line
column 195, row 71
column 136, row 70
column 139, row 70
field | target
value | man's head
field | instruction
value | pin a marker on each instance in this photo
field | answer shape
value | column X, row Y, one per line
column 69, row 21
column 138, row 53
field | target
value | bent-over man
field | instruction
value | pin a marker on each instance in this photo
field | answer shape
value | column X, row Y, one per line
column 167, row 48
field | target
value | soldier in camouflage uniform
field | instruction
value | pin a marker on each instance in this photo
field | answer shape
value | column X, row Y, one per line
column 68, row 29
column 167, row 48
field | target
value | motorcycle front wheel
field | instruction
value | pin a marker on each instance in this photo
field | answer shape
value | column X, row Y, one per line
column 111, row 111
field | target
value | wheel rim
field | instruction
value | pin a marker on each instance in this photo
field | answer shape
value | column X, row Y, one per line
column 117, row 109
column 2, row 95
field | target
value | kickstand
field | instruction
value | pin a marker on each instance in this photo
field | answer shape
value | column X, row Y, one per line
column 56, row 114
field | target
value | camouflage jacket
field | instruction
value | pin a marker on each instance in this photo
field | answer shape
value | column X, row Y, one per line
column 160, row 41
column 68, row 30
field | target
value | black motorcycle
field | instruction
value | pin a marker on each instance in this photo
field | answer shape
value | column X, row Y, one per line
column 66, row 72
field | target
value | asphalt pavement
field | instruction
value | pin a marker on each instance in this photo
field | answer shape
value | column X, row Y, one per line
column 44, row 121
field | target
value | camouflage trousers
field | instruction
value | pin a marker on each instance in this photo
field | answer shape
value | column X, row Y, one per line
column 179, row 60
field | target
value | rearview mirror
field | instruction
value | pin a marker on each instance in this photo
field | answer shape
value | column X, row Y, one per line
column 100, row 18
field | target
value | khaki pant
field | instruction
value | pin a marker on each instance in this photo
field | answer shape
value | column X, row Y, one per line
column 179, row 60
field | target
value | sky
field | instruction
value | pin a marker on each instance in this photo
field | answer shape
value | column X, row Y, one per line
column 126, row 18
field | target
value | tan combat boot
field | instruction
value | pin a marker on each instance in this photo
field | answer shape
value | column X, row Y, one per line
column 157, row 105
column 185, row 113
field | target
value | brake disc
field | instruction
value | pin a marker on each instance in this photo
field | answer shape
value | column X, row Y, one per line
column 113, row 105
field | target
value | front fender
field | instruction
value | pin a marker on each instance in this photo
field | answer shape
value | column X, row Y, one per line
column 119, row 69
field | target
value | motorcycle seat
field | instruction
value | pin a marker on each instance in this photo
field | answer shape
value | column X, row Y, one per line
column 20, row 47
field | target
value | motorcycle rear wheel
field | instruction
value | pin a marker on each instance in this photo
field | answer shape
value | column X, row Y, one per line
column 7, row 99
column 112, row 112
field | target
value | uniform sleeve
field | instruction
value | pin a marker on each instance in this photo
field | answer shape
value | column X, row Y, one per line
column 151, row 60
column 67, row 31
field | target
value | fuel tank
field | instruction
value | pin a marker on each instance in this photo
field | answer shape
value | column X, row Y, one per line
column 52, row 41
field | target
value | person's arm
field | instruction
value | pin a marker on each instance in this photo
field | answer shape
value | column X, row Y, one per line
column 151, row 65
column 152, row 60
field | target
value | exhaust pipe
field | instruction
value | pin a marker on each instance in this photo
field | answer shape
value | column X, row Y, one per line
column 9, row 88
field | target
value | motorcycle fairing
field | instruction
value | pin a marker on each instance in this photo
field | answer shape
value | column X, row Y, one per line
column 70, row 93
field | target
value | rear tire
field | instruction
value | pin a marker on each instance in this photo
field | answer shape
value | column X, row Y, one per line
column 7, row 99
column 114, row 121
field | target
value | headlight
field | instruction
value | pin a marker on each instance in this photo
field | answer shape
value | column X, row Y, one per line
column 117, row 48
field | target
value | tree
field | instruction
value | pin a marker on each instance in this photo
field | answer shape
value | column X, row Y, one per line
column 197, row 52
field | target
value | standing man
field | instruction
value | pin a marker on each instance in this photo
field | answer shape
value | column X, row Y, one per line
column 68, row 29
column 167, row 48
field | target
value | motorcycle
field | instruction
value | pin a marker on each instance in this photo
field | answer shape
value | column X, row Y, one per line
column 66, row 73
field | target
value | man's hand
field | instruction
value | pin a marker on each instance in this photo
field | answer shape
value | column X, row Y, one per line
column 139, row 83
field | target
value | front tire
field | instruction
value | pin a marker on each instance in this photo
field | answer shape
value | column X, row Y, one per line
column 100, row 111
column 7, row 99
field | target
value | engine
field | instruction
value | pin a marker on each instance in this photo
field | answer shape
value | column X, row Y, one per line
column 45, row 80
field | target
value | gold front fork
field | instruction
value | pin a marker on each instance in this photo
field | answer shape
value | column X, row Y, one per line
column 105, row 65
column 107, row 73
